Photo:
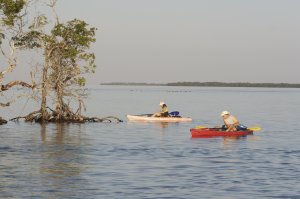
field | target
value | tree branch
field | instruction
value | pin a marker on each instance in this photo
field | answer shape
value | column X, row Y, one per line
column 4, row 105
column 16, row 83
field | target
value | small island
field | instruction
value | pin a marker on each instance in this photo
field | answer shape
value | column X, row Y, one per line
column 209, row 84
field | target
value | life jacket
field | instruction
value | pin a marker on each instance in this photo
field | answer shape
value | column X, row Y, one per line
column 230, row 120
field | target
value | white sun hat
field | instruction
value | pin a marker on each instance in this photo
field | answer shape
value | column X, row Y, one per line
column 225, row 113
column 161, row 103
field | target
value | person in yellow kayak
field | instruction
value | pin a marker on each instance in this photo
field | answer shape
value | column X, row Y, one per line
column 230, row 121
column 164, row 111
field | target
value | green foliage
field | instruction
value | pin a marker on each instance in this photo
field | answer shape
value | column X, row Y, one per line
column 89, row 58
column 81, row 81
column 31, row 39
column 34, row 37
column 66, row 48
column 10, row 9
column 39, row 22
column 75, row 35
column 71, row 42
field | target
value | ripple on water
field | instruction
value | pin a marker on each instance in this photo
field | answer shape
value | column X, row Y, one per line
column 134, row 160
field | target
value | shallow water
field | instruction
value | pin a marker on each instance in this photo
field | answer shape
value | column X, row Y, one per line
column 157, row 160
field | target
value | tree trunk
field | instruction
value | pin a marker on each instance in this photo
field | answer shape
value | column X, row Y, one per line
column 44, row 113
column 59, row 103
column 59, row 87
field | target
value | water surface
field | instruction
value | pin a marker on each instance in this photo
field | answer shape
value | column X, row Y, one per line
column 157, row 160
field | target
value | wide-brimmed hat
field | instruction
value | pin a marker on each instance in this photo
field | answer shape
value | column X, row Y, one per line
column 225, row 113
column 161, row 103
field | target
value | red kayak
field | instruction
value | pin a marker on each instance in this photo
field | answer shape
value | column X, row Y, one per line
column 217, row 132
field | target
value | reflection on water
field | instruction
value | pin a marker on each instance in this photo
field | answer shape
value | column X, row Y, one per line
column 61, row 159
column 161, row 125
column 49, row 159
column 59, row 140
column 230, row 141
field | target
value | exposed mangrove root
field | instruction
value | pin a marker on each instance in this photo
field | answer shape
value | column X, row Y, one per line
column 67, row 117
column 2, row 121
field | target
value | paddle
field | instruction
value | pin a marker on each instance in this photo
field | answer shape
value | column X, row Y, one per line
column 200, row 127
column 254, row 128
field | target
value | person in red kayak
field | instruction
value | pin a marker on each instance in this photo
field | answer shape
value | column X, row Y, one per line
column 230, row 121
column 164, row 111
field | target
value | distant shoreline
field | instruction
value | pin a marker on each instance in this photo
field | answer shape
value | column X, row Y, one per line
column 209, row 84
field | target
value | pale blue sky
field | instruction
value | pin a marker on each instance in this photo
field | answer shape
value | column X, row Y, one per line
column 192, row 40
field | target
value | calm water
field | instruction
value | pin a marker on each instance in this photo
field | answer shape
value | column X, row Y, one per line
column 154, row 160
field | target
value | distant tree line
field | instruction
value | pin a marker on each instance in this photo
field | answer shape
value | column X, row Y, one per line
column 235, row 84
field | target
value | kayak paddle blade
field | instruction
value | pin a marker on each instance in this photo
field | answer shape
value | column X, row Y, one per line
column 200, row 127
column 255, row 128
